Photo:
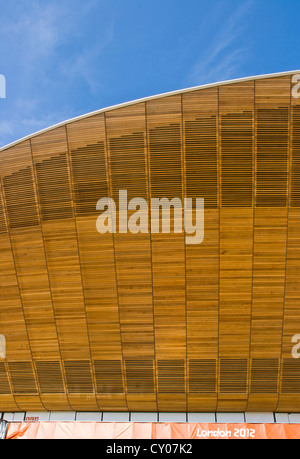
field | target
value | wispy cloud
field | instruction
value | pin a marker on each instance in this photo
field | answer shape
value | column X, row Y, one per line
column 63, row 58
column 224, row 55
column 6, row 128
column 49, row 50
column 83, row 63
column 36, row 31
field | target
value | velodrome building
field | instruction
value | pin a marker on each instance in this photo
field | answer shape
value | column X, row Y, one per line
column 146, row 323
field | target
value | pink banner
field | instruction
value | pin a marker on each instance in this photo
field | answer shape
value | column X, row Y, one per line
column 144, row 431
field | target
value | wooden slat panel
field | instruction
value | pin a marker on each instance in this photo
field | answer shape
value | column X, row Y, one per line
column 31, row 271
column 5, row 388
column 264, row 376
column 233, row 380
column 295, row 155
column 89, row 165
column 22, row 378
column 236, row 134
column 202, row 378
column 3, row 224
column 50, row 158
column 168, row 250
column 200, row 118
column 7, row 398
column 171, row 379
column 289, row 398
column 49, row 375
column 236, row 144
column 21, row 206
column 109, row 377
column 290, row 381
column 140, row 377
column 53, row 188
column 126, row 139
column 11, row 315
column 272, row 155
column 146, row 322
column 79, row 377
column 270, row 226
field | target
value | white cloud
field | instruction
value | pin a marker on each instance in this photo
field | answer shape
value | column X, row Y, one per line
column 82, row 64
column 6, row 128
column 37, row 31
column 224, row 55
column 37, row 43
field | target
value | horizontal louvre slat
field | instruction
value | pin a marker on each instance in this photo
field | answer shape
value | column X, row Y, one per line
column 22, row 378
column 127, row 161
column 140, row 376
column 165, row 162
column 202, row 376
column 201, row 160
column 78, row 377
column 237, row 161
column 20, row 199
column 290, row 376
column 264, row 376
column 4, row 383
column 54, row 188
column 295, row 173
column 171, row 376
column 108, row 374
column 3, row 228
column 49, row 377
column 272, row 157
column 89, row 176
column 233, row 376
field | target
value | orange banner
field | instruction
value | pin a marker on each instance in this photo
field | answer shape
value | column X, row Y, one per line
column 140, row 431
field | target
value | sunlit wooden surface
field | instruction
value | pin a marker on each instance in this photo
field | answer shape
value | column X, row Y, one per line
column 123, row 322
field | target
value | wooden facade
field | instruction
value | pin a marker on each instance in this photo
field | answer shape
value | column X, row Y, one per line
column 146, row 322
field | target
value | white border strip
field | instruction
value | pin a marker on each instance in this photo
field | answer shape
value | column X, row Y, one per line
column 146, row 99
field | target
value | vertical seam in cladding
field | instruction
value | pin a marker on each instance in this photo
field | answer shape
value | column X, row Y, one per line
column 149, row 213
column 47, row 268
column 220, row 200
column 109, row 183
column 5, row 217
column 7, row 374
column 8, row 231
column 183, row 164
column 287, row 240
column 21, row 301
column 80, row 265
column 253, row 237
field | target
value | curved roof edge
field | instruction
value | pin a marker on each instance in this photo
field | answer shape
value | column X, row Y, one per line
column 146, row 99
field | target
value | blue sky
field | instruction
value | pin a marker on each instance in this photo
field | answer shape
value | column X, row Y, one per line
column 65, row 58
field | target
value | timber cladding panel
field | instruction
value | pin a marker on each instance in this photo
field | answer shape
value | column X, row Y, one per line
column 147, row 322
